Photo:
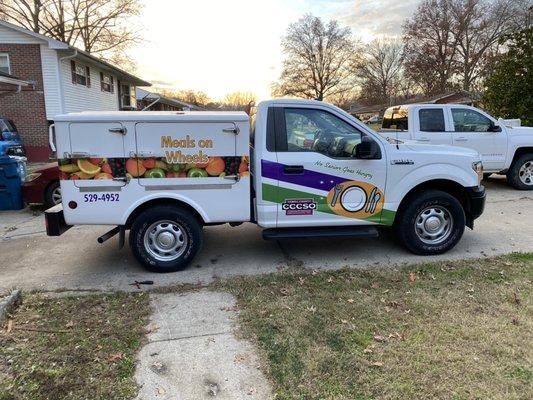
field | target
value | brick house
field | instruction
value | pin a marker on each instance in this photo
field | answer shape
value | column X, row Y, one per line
column 41, row 77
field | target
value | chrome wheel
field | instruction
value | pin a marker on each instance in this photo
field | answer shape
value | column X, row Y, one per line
column 434, row 225
column 165, row 240
column 525, row 173
column 56, row 195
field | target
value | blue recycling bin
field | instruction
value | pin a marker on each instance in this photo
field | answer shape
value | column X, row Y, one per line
column 11, row 184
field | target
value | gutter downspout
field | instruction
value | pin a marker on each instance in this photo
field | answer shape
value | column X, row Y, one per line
column 60, row 80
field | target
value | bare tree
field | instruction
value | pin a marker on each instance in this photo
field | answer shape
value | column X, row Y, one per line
column 479, row 24
column 317, row 59
column 96, row 26
column 26, row 13
column 238, row 100
column 379, row 70
column 431, row 45
column 196, row 98
column 453, row 43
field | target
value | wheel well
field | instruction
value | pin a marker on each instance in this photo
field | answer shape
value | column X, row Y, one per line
column 520, row 152
column 161, row 202
column 443, row 185
column 48, row 187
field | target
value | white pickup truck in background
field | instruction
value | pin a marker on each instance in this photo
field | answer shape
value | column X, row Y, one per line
column 504, row 149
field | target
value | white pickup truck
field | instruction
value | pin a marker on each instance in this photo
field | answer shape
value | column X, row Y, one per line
column 504, row 149
column 296, row 168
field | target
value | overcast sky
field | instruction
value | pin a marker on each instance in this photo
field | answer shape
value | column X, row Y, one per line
column 221, row 46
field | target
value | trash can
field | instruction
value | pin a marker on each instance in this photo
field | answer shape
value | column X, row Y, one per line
column 12, row 171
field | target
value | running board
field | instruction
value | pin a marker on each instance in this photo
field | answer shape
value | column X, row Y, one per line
column 315, row 232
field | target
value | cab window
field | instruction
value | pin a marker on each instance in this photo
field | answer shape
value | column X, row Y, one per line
column 431, row 120
column 319, row 131
column 395, row 118
column 465, row 120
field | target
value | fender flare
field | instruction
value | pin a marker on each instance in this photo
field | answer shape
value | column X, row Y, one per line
column 168, row 196
column 427, row 173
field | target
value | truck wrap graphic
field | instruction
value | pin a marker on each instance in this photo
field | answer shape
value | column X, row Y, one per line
column 331, row 194
column 109, row 168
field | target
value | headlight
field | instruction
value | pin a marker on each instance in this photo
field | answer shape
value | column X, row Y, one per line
column 478, row 168
column 33, row 176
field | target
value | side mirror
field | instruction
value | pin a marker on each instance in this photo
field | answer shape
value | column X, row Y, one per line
column 495, row 128
column 368, row 149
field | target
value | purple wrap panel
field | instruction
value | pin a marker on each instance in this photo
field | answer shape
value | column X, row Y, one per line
column 311, row 179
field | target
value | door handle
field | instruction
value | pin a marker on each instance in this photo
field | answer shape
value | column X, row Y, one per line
column 144, row 154
column 293, row 169
column 78, row 154
column 121, row 130
column 461, row 139
column 235, row 178
column 235, row 129
column 125, row 179
column 424, row 139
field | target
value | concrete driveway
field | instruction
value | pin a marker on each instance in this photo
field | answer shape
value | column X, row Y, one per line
column 31, row 260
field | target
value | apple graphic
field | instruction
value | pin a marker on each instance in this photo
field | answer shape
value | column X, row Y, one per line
column 196, row 173
column 155, row 173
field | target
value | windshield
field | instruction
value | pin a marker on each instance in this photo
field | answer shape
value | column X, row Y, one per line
column 8, row 131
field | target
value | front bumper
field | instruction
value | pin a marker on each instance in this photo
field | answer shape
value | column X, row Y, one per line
column 476, row 202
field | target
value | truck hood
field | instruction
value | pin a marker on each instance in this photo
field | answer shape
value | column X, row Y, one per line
column 521, row 131
column 441, row 149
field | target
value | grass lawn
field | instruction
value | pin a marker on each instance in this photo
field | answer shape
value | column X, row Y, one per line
column 73, row 347
column 453, row 330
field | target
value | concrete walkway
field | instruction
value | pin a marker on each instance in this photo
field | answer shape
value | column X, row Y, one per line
column 192, row 352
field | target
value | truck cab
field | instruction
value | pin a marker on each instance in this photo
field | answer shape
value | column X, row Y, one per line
column 296, row 168
column 504, row 149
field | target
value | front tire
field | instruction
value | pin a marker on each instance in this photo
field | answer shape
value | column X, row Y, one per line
column 165, row 238
column 432, row 222
column 520, row 175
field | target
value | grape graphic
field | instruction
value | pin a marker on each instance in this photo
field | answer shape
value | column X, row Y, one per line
column 232, row 165
column 118, row 166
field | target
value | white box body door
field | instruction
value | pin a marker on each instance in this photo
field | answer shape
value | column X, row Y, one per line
column 97, row 140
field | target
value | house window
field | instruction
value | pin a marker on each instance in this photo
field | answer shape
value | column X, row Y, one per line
column 4, row 63
column 106, row 83
column 127, row 97
column 81, row 74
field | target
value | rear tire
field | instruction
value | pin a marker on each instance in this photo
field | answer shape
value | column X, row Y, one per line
column 520, row 175
column 431, row 222
column 52, row 194
column 165, row 238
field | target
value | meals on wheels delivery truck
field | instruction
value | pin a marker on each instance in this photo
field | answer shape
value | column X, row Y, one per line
column 296, row 168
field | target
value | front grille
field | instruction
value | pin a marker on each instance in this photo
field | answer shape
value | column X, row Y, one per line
column 15, row 151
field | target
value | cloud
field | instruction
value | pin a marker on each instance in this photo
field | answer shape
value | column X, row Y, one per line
column 376, row 18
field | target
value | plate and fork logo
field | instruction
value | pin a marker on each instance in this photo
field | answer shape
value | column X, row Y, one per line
column 355, row 199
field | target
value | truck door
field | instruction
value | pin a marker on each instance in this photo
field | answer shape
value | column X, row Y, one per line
column 316, row 180
column 96, row 155
column 189, row 150
column 430, row 126
column 474, row 130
